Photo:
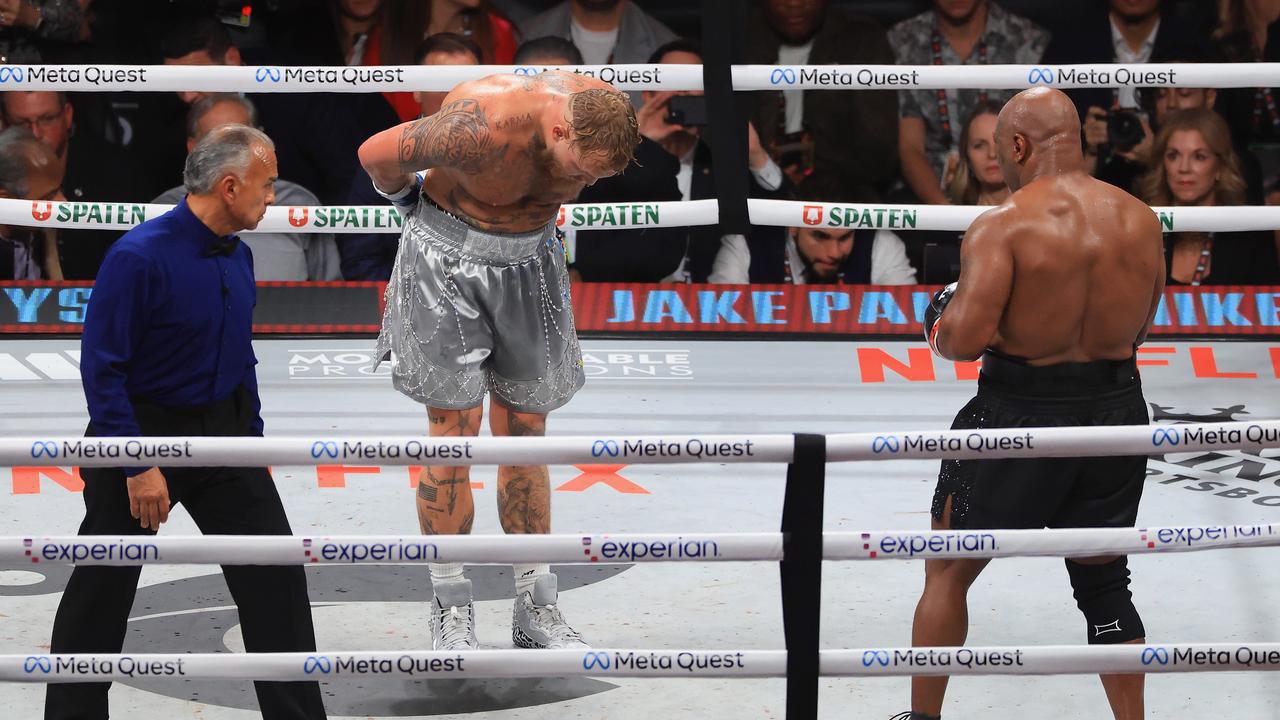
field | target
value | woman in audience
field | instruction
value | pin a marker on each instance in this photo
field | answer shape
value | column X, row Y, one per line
column 1193, row 165
column 973, row 177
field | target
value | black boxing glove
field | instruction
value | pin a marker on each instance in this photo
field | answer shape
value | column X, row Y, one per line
column 933, row 314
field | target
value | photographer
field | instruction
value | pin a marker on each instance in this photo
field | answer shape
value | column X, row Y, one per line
column 672, row 163
column 1128, row 134
column 1117, row 131
column 1117, row 144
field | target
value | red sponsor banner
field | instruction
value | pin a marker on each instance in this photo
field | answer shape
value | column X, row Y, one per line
column 843, row 310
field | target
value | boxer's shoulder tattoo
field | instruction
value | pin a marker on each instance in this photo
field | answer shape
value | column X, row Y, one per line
column 554, row 81
column 514, row 121
column 457, row 136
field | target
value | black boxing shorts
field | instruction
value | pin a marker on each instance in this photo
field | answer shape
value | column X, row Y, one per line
column 1046, row 492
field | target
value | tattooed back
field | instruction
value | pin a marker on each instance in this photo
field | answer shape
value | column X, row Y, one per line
column 499, row 151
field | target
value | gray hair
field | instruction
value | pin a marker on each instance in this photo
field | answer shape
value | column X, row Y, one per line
column 209, row 102
column 16, row 147
column 227, row 150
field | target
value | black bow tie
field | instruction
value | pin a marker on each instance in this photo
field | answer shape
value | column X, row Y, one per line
column 222, row 247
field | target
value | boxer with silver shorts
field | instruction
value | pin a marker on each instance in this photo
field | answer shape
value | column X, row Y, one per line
column 478, row 300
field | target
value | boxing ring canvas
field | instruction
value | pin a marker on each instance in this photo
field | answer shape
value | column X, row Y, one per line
column 324, row 387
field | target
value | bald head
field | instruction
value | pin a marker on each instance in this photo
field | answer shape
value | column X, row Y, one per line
column 1038, row 132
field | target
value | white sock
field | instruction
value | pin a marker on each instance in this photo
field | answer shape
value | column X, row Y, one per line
column 527, row 574
column 445, row 571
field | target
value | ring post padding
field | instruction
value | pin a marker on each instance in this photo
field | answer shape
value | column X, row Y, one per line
column 801, row 569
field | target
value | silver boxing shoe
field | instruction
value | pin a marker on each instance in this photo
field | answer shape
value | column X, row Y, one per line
column 453, row 616
column 536, row 622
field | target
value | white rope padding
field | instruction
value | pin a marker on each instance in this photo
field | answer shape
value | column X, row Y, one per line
column 347, row 218
column 861, row 662
column 799, row 213
column 450, row 451
column 633, row 449
column 1003, row 77
column 611, row 216
column 622, row 548
column 269, row 78
column 221, row 78
column 1052, row 442
column 391, row 549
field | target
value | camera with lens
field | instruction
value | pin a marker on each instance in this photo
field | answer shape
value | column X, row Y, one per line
column 1124, row 129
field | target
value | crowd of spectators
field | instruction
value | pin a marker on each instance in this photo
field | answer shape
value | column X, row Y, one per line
column 1168, row 146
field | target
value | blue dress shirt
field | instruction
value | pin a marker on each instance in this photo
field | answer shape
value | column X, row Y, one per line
column 169, row 322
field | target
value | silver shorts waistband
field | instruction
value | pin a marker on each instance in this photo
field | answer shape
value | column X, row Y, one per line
column 432, row 224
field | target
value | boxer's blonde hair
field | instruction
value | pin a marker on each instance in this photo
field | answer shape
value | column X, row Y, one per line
column 1229, row 189
column 604, row 124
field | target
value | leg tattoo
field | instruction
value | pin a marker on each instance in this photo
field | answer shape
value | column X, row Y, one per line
column 524, row 491
column 445, row 504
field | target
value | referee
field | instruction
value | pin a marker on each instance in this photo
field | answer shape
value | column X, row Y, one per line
column 166, row 351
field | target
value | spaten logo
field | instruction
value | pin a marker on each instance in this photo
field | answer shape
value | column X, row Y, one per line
column 41, row 213
column 298, row 216
column 812, row 215
column 322, row 448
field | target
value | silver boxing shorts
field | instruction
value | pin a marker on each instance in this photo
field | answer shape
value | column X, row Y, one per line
column 469, row 310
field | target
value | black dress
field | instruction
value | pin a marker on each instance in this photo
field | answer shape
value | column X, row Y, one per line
column 1237, row 258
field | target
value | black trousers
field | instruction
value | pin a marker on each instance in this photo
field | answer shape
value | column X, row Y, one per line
column 275, row 612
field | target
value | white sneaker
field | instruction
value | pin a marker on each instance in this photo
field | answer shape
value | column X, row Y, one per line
column 536, row 622
column 453, row 616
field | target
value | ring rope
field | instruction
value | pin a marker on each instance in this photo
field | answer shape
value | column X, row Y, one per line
column 646, row 663
column 638, row 76
column 203, row 451
column 342, row 219
column 622, row 547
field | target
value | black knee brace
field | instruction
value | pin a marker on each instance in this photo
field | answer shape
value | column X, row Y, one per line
column 1102, row 594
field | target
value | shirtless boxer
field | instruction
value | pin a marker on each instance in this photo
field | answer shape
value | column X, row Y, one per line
column 1058, row 286
column 479, row 299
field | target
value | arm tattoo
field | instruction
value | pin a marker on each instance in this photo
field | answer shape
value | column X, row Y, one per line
column 456, row 137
